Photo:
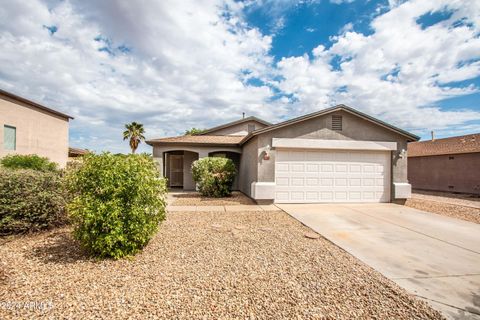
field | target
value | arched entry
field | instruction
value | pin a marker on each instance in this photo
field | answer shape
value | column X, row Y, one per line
column 234, row 156
column 177, row 168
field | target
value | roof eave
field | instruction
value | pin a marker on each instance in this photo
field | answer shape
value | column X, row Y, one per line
column 326, row 111
column 34, row 104
column 203, row 144
column 229, row 124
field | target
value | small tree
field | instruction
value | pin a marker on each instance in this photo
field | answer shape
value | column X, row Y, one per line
column 214, row 176
column 135, row 133
column 119, row 201
column 194, row 131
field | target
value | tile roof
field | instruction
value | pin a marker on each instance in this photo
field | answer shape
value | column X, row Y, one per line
column 198, row 139
column 454, row 145
column 76, row 151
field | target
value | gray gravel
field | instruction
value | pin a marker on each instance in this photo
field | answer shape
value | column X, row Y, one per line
column 466, row 200
column 446, row 209
column 209, row 265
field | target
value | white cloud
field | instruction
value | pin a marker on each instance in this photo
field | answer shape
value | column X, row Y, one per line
column 341, row 1
column 399, row 72
column 188, row 65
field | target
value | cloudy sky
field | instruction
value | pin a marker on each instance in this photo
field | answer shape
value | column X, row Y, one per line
column 176, row 64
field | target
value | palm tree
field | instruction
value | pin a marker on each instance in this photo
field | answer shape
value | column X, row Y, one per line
column 135, row 133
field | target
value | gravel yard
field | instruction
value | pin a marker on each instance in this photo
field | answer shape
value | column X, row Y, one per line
column 446, row 209
column 196, row 199
column 468, row 200
column 254, row 265
column 457, row 206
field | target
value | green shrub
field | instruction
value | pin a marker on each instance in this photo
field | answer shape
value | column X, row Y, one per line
column 119, row 201
column 214, row 176
column 30, row 200
column 30, row 161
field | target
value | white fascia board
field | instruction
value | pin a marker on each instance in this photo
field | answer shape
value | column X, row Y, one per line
column 333, row 144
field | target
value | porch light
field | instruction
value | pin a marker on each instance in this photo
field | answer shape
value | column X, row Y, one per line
column 266, row 154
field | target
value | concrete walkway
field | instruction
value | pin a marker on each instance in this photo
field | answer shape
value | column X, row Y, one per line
column 225, row 208
column 434, row 257
column 171, row 196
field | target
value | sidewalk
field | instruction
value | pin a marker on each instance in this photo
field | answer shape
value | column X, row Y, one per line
column 218, row 208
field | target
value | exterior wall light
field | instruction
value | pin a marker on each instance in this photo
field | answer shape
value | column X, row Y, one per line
column 266, row 153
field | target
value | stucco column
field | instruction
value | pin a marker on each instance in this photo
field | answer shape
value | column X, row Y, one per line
column 202, row 154
column 159, row 162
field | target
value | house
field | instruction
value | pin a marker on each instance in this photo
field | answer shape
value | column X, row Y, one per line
column 334, row 155
column 76, row 153
column 30, row 128
column 450, row 164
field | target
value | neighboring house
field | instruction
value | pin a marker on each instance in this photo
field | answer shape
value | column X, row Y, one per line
column 76, row 153
column 450, row 164
column 30, row 128
column 335, row 155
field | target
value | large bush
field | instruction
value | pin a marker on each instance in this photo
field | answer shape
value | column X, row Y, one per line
column 30, row 200
column 214, row 176
column 119, row 201
column 31, row 161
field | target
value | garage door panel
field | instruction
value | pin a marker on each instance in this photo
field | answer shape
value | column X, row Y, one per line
column 297, row 182
column 332, row 176
column 281, row 167
column 326, row 168
column 282, row 181
column 341, row 182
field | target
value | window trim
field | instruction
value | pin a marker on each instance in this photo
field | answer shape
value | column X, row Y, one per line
column 5, row 126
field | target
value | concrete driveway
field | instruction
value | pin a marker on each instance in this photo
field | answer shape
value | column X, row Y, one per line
column 434, row 257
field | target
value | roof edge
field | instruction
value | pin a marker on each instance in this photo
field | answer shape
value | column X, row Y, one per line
column 152, row 143
column 326, row 111
column 228, row 124
column 33, row 104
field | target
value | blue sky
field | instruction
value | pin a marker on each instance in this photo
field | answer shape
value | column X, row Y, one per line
column 415, row 64
column 305, row 25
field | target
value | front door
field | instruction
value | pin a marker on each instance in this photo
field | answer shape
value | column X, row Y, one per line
column 176, row 171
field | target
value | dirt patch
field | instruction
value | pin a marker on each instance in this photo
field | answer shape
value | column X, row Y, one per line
column 447, row 209
column 196, row 199
column 209, row 265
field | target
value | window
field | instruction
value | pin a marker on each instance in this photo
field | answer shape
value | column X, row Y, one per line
column 9, row 137
column 337, row 123
column 251, row 127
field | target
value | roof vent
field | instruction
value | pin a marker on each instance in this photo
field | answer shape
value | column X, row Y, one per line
column 337, row 123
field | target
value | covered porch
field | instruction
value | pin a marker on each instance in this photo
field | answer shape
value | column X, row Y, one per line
column 175, row 162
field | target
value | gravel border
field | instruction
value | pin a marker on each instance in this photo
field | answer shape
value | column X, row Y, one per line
column 212, row 265
column 196, row 199
column 446, row 209
column 467, row 200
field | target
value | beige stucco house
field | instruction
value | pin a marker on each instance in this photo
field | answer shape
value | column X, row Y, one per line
column 30, row 128
column 334, row 155
column 448, row 164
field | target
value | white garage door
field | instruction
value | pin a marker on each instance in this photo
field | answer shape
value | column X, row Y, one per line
column 331, row 176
